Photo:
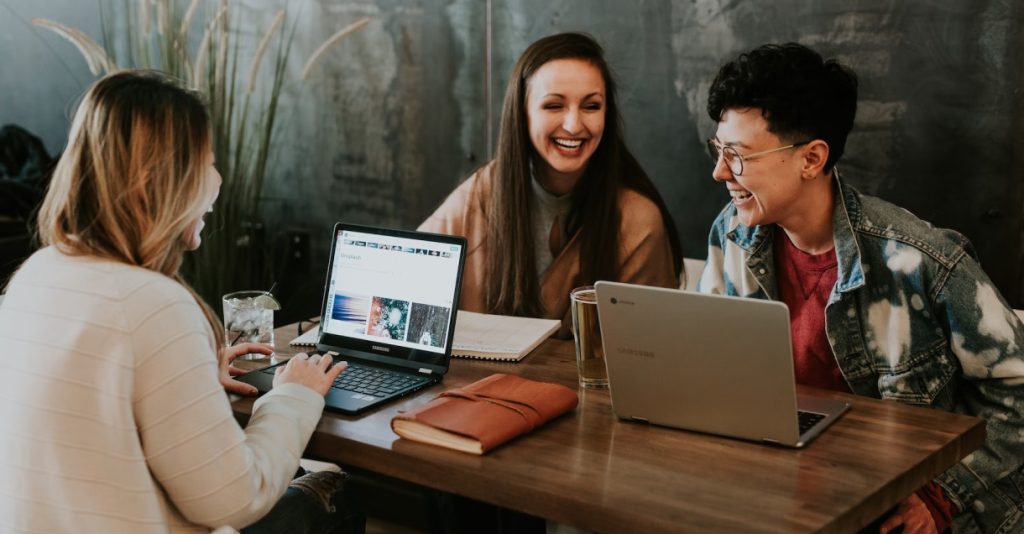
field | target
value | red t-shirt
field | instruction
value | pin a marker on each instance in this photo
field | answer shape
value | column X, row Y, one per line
column 805, row 282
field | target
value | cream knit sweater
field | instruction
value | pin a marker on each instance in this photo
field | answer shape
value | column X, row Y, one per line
column 112, row 418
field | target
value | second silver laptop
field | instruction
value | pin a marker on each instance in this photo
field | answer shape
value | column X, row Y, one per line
column 708, row 363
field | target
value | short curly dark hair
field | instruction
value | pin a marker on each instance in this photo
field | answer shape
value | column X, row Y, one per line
column 801, row 95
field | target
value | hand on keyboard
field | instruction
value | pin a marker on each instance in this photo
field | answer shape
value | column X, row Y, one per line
column 314, row 372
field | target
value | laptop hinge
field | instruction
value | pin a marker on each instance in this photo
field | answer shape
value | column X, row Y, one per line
column 425, row 371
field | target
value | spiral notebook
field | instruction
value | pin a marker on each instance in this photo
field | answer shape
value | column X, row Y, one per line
column 482, row 336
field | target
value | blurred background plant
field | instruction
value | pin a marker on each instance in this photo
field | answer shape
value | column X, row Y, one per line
column 243, row 105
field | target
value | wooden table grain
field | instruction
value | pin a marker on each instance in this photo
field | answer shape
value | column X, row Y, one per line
column 593, row 471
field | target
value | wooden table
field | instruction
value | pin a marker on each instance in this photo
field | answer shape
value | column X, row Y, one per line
column 590, row 470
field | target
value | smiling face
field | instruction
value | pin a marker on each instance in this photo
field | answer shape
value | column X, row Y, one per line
column 770, row 189
column 565, row 107
column 212, row 178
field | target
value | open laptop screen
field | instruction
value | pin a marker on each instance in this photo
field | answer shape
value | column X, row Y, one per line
column 392, row 294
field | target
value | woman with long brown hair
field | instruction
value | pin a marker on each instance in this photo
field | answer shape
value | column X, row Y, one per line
column 114, row 415
column 564, row 203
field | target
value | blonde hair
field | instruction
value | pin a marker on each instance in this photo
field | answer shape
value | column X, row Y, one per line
column 133, row 177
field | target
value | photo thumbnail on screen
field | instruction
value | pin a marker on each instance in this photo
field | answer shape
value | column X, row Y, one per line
column 389, row 318
column 350, row 313
column 428, row 325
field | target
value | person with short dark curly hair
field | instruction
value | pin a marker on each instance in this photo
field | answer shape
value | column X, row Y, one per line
column 881, row 303
column 804, row 96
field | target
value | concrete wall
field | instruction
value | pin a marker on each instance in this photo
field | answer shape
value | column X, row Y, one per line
column 399, row 114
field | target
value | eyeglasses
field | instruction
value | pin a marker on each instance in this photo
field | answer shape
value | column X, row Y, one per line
column 734, row 159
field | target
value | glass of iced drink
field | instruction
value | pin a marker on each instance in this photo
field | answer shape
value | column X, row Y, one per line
column 249, row 318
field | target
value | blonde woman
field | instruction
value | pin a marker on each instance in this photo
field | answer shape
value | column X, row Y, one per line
column 114, row 418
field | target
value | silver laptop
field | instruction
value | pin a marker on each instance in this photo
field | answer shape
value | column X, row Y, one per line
column 721, row 365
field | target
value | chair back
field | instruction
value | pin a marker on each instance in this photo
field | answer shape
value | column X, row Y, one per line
column 692, row 267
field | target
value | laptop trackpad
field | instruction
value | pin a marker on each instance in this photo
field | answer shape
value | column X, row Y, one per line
column 343, row 399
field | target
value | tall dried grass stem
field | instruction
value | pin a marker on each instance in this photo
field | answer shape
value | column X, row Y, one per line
column 261, row 49
column 186, row 21
column 220, row 66
column 163, row 17
column 144, row 16
column 92, row 52
column 203, row 52
column 330, row 42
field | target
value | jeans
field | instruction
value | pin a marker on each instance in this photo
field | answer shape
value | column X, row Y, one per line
column 315, row 503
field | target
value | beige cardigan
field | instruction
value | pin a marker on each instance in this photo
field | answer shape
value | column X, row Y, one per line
column 112, row 418
column 644, row 250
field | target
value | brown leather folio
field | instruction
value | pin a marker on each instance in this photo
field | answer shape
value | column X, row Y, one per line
column 479, row 417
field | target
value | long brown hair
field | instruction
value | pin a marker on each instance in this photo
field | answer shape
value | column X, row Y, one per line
column 133, row 177
column 514, row 286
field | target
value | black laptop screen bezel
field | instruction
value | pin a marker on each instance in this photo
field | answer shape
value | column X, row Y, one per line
column 398, row 356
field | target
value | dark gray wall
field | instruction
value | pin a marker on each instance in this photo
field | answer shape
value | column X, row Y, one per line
column 940, row 104
column 390, row 119
column 399, row 114
column 41, row 75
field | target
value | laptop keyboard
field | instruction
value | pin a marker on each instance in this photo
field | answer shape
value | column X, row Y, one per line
column 807, row 420
column 375, row 381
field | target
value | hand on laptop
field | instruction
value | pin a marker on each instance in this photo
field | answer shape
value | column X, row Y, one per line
column 226, row 370
column 314, row 372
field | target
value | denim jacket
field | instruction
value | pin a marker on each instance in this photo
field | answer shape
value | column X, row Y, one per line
column 912, row 318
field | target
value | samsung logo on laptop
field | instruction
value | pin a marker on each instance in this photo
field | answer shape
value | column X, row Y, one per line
column 380, row 348
column 636, row 352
